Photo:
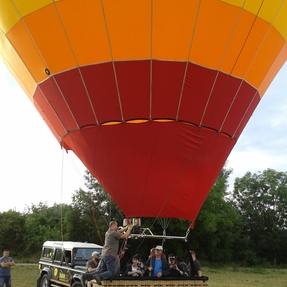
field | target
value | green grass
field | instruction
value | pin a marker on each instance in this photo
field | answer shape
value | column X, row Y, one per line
column 246, row 277
column 26, row 276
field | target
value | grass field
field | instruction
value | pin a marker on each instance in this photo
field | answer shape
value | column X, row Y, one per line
column 26, row 276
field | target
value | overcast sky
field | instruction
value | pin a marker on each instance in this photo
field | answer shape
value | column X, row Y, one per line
column 31, row 158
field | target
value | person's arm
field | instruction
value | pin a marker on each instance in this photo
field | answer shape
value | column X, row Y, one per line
column 90, row 269
column 12, row 263
column 4, row 265
column 128, row 232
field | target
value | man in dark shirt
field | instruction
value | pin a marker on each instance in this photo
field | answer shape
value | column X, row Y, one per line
column 195, row 268
column 6, row 262
column 109, row 258
column 174, row 268
column 93, row 263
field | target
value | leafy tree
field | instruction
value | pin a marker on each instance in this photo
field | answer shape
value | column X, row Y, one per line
column 261, row 199
column 94, row 209
column 42, row 223
column 218, row 225
column 12, row 231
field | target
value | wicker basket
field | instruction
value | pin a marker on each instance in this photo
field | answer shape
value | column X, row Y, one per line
column 150, row 283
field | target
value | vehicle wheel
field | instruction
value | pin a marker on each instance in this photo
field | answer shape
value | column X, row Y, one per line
column 77, row 284
column 45, row 282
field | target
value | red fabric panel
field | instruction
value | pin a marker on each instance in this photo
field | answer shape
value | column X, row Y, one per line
column 100, row 82
column 153, row 169
column 241, row 103
column 48, row 114
column 57, row 101
column 134, row 86
column 247, row 116
column 166, row 86
column 150, row 169
column 220, row 100
column 197, row 87
column 73, row 90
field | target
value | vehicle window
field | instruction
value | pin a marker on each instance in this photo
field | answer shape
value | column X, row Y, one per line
column 67, row 257
column 58, row 255
column 47, row 253
column 82, row 255
column 85, row 253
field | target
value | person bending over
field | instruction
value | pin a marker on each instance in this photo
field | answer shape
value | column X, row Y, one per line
column 109, row 263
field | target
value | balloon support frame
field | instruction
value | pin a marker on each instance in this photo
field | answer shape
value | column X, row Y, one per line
column 146, row 233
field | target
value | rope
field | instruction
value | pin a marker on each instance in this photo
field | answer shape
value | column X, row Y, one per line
column 76, row 60
column 61, row 196
column 44, row 63
column 249, row 66
column 223, row 56
column 112, row 58
column 150, row 71
column 194, row 23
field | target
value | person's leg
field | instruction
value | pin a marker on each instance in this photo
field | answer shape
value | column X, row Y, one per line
column 117, row 266
column 110, row 263
column 101, row 267
column 1, row 282
column 7, row 281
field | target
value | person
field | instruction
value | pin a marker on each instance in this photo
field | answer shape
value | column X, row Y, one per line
column 174, row 269
column 135, row 269
column 194, row 265
column 109, row 263
column 157, row 263
column 93, row 263
column 6, row 262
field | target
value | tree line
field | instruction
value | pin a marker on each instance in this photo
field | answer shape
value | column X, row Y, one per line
column 246, row 225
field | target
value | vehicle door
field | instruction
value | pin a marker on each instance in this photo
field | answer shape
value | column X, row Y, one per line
column 65, row 275
column 55, row 269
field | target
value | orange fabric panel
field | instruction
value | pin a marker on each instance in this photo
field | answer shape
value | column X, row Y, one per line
column 23, row 44
column 16, row 66
column 258, row 53
column 85, row 26
column 129, row 26
column 55, row 47
column 172, row 29
column 215, row 35
column 219, row 42
column 281, row 58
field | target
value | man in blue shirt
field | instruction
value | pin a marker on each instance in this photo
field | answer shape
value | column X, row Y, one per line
column 6, row 262
column 157, row 264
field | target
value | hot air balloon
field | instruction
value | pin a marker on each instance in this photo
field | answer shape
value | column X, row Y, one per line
column 151, row 95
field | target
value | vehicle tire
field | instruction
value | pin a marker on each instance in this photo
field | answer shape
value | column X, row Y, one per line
column 77, row 284
column 45, row 282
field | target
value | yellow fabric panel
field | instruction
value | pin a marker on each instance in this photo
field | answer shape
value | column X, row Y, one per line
column 281, row 20
column 128, row 23
column 16, row 66
column 172, row 29
column 50, row 39
column 12, row 10
column 28, row 6
column 85, row 27
column 8, row 15
column 21, row 40
column 266, row 12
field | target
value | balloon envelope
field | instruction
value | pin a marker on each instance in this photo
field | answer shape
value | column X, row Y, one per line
column 151, row 95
